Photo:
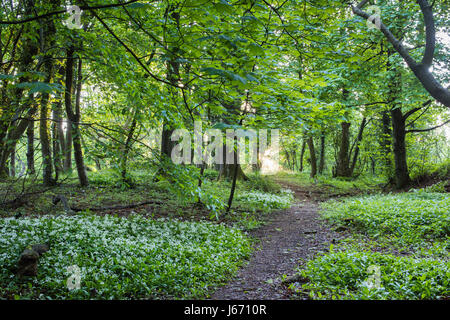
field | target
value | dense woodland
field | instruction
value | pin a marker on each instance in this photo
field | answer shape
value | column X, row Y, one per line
column 93, row 206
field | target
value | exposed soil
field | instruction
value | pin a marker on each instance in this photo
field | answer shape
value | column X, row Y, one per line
column 290, row 238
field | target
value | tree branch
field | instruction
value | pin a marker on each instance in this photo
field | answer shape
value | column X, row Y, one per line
column 53, row 13
column 388, row 34
column 428, row 129
column 422, row 70
column 131, row 51
column 430, row 33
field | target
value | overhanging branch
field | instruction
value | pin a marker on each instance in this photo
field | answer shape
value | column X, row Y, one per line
column 428, row 129
column 53, row 13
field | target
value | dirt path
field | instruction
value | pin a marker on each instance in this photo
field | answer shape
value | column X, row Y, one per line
column 291, row 236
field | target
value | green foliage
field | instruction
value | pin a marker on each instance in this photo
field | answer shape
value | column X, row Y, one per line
column 349, row 270
column 346, row 275
column 262, row 183
column 120, row 258
column 407, row 217
column 440, row 170
column 267, row 200
column 211, row 174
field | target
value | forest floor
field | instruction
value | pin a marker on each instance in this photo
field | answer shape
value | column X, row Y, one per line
column 290, row 238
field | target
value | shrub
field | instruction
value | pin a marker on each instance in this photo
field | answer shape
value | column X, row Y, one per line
column 262, row 183
column 268, row 200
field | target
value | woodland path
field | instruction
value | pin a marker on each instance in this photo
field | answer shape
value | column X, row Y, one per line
column 292, row 236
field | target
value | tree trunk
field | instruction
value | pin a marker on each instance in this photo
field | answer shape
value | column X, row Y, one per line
column 30, row 148
column 59, row 143
column 385, row 143
column 342, row 165
column 322, row 153
column 68, row 146
column 47, row 167
column 76, row 134
column 402, row 178
column 236, row 167
column 343, row 161
column 287, row 159
column 12, row 163
column 57, row 151
column 12, row 137
column 166, row 143
column 302, row 154
column 226, row 170
column 312, row 155
column 11, row 131
column 357, row 142
column 126, row 150
column 68, row 104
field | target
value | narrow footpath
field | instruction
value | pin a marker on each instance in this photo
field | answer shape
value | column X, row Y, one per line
column 291, row 236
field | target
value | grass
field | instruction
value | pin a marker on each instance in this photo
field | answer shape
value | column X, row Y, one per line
column 120, row 258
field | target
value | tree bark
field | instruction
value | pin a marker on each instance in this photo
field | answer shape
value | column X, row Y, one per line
column 385, row 143
column 357, row 142
column 76, row 134
column 312, row 155
column 127, row 148
column 342, row 165
column 322, row 153
column 30, row 148
column 12, row 163
column 47, row 166
column 402, row 178
column 302, row 154
column 68, row 104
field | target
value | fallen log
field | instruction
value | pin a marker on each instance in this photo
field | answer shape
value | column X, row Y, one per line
column 70, row 209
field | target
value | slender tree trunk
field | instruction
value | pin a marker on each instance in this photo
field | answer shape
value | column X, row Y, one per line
column 48, row 31
column 312, row 155
column 47, row 168
column 68, row 147
column 302, row 154
column 127, row 148
column 12, row 137
column 11, row 131
column 322, row 153
column 288, row 159
column 30, row 148
column 294, row 160
column 68, row 104
column 57, row 151
column 12, row 163
column 47, row 165
column 76, row 134
column 385, row 143
column 233, row 184
column 59, row 143
column 358, row 141
column 343, row 161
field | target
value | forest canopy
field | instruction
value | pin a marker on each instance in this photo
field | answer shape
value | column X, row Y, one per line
column 102, row 99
